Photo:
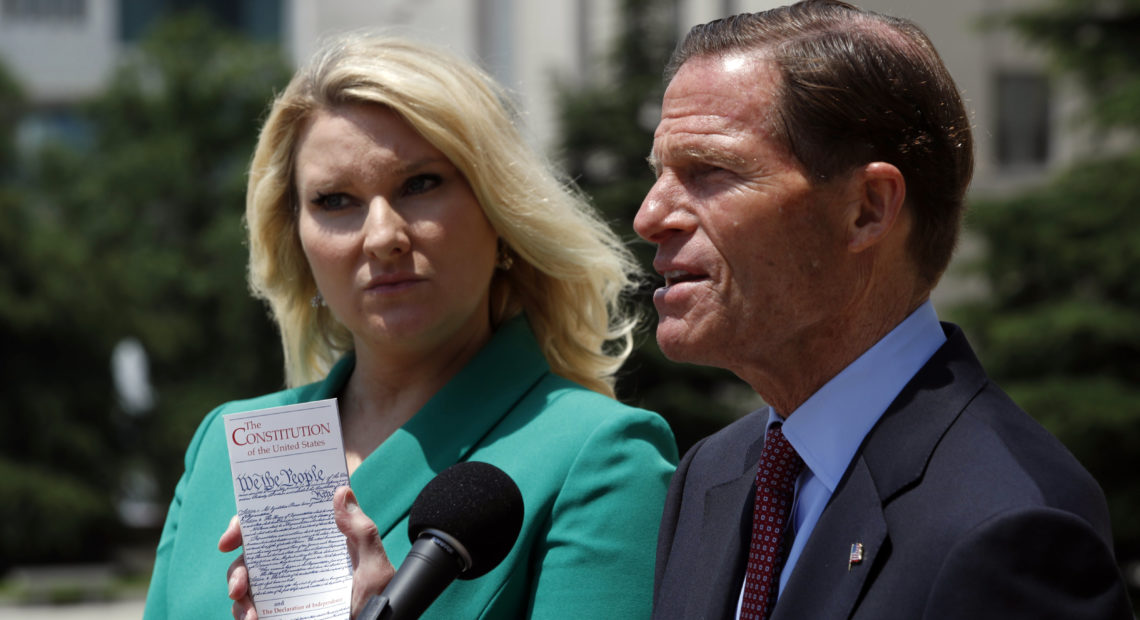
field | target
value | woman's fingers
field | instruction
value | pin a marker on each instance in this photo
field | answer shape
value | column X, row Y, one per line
column 372, row 570
column 237, row 576
column 243, row 610
column 231, row 538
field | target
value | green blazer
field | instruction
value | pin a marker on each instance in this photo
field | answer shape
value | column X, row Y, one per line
column 592, row 472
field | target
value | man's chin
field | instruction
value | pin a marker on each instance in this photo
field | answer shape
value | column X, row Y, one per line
column 678, row 344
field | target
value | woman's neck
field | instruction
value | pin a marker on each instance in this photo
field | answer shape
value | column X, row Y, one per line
column 389, row 386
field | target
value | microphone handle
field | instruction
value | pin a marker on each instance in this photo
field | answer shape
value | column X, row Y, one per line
column 429, row 568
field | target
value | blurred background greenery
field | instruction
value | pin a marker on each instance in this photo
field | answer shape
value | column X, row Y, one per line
column 130, row 239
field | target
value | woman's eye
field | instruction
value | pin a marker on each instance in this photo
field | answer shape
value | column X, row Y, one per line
column 331, row 202
column 421, row 183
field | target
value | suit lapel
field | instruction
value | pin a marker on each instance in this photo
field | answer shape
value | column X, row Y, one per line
column 724, row 537
column 899, row 447
column 823, row 584
column 892, row 459
column 449, row 426
column 726, row 529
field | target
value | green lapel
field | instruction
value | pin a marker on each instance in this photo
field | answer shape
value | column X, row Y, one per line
column 450, row 425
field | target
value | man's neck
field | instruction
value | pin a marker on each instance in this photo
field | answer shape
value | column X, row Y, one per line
column 791, row 378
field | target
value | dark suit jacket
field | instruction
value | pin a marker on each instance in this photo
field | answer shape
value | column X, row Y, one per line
column 966, row 508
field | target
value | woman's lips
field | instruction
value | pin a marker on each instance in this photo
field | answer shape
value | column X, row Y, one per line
column 392, row 283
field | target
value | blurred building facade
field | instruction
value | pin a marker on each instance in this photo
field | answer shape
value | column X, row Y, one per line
column 64, row 50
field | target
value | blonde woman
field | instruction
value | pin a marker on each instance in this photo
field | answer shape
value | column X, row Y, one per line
column 427, row 269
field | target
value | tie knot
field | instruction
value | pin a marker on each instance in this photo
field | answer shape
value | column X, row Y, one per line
column 779, row 463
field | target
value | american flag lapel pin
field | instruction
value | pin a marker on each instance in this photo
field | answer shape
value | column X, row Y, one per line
column 856, row 555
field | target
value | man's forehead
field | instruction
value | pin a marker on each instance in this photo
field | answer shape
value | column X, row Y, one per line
column 737, row 85
column 749, row 66
column 737, row 62
column 716, row 99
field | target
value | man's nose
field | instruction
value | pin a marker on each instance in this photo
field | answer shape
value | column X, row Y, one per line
column 656, row 217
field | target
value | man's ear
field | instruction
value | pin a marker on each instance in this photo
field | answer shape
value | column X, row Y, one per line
column 877, row 204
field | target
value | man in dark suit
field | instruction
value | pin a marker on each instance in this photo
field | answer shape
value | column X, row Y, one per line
column 811, row 166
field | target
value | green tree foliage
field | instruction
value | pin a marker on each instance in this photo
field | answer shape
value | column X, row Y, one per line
column 1061, row 329
column 137, row 233
column 607, row 131
column 11, row 109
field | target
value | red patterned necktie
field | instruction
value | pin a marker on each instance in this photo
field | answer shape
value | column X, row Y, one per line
column 775, row 490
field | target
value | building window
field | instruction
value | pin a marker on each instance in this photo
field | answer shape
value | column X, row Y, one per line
column 1022, row 119
column 260, row 19
column 44, row 10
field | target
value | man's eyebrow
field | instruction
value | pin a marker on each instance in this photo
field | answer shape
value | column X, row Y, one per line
column 713, row 156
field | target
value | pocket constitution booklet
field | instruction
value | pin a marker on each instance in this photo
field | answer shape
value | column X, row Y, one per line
column 286, row 462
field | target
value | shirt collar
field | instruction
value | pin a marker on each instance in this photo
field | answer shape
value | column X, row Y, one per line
column 827, row 429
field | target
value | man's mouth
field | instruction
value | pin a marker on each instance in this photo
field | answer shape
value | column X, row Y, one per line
column 677, row 276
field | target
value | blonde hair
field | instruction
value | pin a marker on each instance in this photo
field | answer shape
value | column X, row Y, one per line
column 570, row 272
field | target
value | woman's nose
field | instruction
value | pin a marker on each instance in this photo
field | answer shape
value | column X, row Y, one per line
column 385, row 230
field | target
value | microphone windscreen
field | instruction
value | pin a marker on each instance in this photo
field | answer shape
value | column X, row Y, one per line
column 477, row 504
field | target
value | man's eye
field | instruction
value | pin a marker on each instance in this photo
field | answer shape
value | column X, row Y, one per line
column 331, row 202
column 707, row 169
column 421, row 183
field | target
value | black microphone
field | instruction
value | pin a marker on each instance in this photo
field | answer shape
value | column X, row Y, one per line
column 463, row 523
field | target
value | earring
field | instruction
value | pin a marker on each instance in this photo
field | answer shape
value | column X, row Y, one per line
column 317, row 301
column 504, row 260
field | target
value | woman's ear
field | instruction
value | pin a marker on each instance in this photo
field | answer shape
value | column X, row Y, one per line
column 879, row 194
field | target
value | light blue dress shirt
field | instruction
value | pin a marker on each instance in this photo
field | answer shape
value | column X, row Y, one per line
column 828, row 428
